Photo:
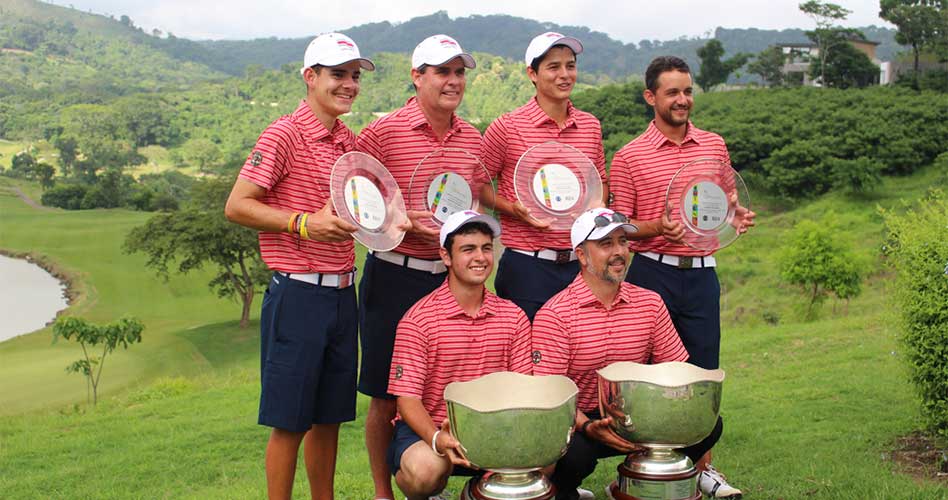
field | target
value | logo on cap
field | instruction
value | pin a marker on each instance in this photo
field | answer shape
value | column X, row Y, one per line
column 553, row 35
column 345, row 44
column 448, row 43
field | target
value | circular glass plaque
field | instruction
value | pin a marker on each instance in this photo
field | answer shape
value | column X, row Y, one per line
column 705, row 195
column 556, row 183
column 446, row 181
column 365, row 194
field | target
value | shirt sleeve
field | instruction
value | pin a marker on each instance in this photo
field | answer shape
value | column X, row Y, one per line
column 666, row 344
column 520, row 360
column 551, row 344
column 409, row 368
column 494, row 146
column 370, row 143
column 268, row 163
column 600, row 159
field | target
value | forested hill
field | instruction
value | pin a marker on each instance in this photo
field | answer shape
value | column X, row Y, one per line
column 508, row 36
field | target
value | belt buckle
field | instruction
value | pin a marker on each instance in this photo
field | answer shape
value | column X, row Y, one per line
column 562, row 256
column 685, row 262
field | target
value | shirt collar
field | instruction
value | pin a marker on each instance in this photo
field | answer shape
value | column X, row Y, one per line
column 657, row 139
column 585, row 297
column 312, row 128
column 416, row 117
column 538, row 117
column 451, row 309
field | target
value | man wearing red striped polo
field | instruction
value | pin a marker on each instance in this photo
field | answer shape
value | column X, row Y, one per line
column 538, row 262
column 309, row 319
column 393, row 281
column 683, row 276
column 459, row 332
column 599, row 319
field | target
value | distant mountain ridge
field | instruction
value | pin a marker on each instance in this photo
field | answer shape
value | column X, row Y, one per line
column 508, row 36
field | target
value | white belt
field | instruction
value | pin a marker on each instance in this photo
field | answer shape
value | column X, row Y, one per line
column 681, row 262
column 558, row 256
column 322, row 279
column 430, row 266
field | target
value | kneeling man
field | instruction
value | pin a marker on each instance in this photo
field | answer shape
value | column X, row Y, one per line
column 599, row 319
column 457, row 333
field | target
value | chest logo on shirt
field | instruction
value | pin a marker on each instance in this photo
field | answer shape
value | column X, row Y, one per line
column 536, row 357
column 398, row 371
column 256, row 158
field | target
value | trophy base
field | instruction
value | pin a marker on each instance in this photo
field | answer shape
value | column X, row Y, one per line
column 636, row 485
column 520, row 486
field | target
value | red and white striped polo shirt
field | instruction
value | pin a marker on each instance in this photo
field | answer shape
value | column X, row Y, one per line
column 510, row 136
column 574, row 335
column 292, row 161
column 437, row 343
column 400, row 140
column 641, row 171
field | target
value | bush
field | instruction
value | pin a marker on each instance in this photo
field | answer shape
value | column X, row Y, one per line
column 67, row 196
column 819, row 263
column 917, row 248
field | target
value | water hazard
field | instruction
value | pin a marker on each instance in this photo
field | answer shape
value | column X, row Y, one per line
column 30, row 297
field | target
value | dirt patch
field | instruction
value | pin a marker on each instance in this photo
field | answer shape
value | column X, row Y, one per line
column 921, row 456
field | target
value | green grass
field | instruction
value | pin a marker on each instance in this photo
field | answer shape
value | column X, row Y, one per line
column 810, row 407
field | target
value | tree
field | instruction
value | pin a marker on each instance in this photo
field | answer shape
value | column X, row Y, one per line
column 814, row 259
column 201, row 153
column 123, row 332
column 826, row 34
column 920, row 23
column 68, row 150
column 45, row 173
column 846, row 67
column 199, row 235
column 769, row 65
column 22, row 164
column 713, row 70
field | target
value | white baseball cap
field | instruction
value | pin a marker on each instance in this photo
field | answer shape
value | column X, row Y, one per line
column 437, row 50
column 589, row 225
column 460, row 218
column 542, row 43
column 333, row 49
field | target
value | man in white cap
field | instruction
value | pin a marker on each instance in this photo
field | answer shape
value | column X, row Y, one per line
column 599, row 319
column 538, row 261
column 309, row 317
column 400, row 140
column 459, row 332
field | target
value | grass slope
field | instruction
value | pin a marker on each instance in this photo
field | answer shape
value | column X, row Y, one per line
column 810, row 407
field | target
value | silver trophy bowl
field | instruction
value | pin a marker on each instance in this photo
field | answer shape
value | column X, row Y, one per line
column 512, row 425
column 662, row 407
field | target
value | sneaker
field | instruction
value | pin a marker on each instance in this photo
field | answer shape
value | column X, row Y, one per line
column 585, row 494
column 714, row 485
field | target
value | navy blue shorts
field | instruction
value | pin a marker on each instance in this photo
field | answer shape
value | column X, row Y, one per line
column 386, row 292
column 307, row 355
column 530, row 281
column 402, row 438
column 693, row 299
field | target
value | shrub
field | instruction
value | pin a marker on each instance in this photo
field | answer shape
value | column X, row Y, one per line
column 67, row 196
column 819, row 263
column 917, row 247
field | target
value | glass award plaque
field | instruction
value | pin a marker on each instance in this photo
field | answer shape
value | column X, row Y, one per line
column 446, row 181
column 365, row 194
column 707, row 196
column 556, row 183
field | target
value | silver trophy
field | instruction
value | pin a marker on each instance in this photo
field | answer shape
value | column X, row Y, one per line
column 663, row 407
column 512, row 425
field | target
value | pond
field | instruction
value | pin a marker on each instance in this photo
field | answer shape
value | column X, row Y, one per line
column 30, row 297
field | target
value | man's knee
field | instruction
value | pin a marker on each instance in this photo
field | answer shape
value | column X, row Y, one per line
column 422, row 472
column 579, row 462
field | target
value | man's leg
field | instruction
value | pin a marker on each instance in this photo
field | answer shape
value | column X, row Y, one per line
column 282, row 450
column 529, row 282
column 319, row 452
column 378, row 435
column 580, row 461
column 422, row 473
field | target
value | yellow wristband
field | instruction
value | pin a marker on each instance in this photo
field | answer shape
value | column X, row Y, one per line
column 303, row 233
column 290, row 225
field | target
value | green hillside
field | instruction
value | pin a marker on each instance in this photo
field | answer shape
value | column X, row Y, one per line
column 812, row 408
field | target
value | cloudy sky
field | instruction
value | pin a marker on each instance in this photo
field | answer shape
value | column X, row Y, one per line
column 625, row 20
